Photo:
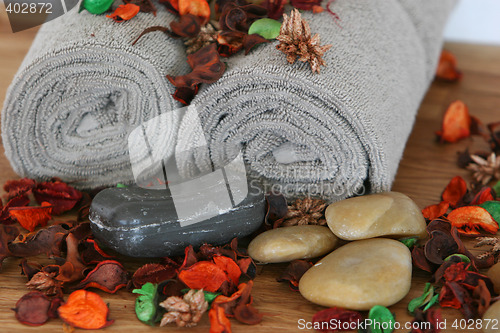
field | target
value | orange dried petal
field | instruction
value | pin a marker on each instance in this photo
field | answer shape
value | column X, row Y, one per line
column 124, row 12
column 447, row 67
column 469, row 219
column 85, row 309
column 203, row 275
column 229, row 266
column 198, row 8
column 31, row 217
column 434, row 211
column 456, row 123
column 219, row 323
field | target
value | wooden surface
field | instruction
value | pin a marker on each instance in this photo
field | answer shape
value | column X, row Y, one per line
column 424, row 171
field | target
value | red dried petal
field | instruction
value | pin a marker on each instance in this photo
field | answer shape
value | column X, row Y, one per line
column 199, row 8
column 154, row 273
column 62, row 196
column 109, row 276
column 207, row 68
column 18, row 187
column 188, row 26
column 419, row 259
column 275, row 8
column 305, row 4
column 456, row 123
column 31, row 217
column 341, row 316
column 47, row 240
column 124, row 12
column 247, row 314
column 185, row 95
column 249, row 41
column 434, row 211
column 32, row 309
column 92, row 253
column 482, row 297
column 7, row 234
column 470, row 219
column 203, row 275
column 447, row 67
column 146, row 6
column 456, row 272
column 482, row 196
column 454, row 191
column 293, row 272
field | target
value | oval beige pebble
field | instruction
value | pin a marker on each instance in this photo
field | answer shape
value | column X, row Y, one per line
column 290, row 243
column 493, row 314
column 375, row 215
column 360, row 275
column 494, row 274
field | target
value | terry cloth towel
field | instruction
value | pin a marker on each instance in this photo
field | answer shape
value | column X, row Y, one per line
column 81, row 89
column 335, row 134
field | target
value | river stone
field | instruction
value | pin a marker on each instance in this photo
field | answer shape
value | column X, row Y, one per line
column 493, row 314
column 138, row 222
column 494, row 274
column 385, row 214
column 360, row 275
column 289, row 243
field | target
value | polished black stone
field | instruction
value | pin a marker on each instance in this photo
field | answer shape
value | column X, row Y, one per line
column 143, row 223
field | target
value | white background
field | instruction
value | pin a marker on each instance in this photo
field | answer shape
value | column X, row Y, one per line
column 474, row 21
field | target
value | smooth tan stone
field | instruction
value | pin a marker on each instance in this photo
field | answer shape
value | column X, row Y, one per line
column 384, row 214
column 360, row 275
column 494, row 274
column 290, row 243
column 493, row 314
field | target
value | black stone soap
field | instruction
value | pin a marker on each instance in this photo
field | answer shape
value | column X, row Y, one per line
column 139, row 222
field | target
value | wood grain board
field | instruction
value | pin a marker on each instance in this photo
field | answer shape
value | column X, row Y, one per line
column 425, row 169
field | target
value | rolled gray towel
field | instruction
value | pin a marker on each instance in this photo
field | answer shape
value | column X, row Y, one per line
column 81, row 89
column 334, row 134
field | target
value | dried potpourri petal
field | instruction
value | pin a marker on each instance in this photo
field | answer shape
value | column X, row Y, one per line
column 186, row 311
column 276, row 208
column 485, row 194
column 203, row 275
column 29, row 268
column 188, row 26
column 456, row 123
column 470, row 219
column 152, row 29
column 85, row 309
column 293, row 272
column 219, row 323
column 124, row 12
column 62, row 196
column 382, row 316
column 33, row 309
column 146, row 6
column 275, row 8
column 455, row 296
column 190, row 257
column 31, row 217
column 72, row 269
column 7, row 234
column 48, row 240
column 433, row 317
column 454, row 191
column 343, row 317
column 18, row 187
column 439, row 246
column 230, row 267
column 447, row 67
column 146, row 303
column 207, row 68
column 84, row 207
column 45, row 281
column 91, row 253
column 432, row 212
column 250, row 41
column 419, row 259
column 482, row 297
column 422, row 300
column 477, row 262
column 109, row 276
column 153, row 273
column 244, row 312
column 305, row 4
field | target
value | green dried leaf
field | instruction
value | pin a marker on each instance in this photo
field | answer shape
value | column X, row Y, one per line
column 434, row 300
column 146, row 304
column 419, row 301
column 493, row 207
column 120, row 185
column 464, row 258
column 97, row 6
column 382, row 319
column 265, row 27
column 409, row 241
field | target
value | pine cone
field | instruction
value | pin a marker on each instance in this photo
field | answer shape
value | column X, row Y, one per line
column 305, row 211
column 206, row 36
column 485, row 169
column 45, row 282
column 186, row 311
column 295, row 40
